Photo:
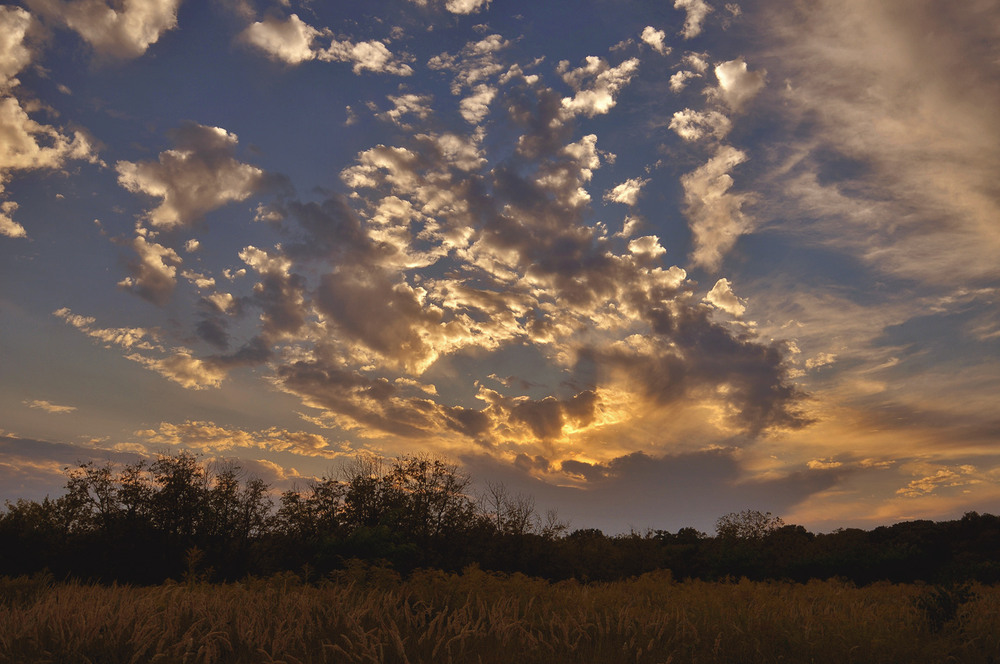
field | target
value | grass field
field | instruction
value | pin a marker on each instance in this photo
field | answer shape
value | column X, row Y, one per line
column 370, row 615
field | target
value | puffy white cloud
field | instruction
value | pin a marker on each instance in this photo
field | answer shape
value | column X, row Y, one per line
column 715, row 215
column 679, row 80
column 294, row 41
column 457, row 6
column 14, row 54
column 368, row 55
column 656, row 39
column 738, row 85
column 29, row 145
column 122, row 29
column 694, row 125
column 627, row 192
column 288, row 41
column 26, row 144
column 474, row 64
column 408, row 104
column 723, row 297
column 477, row 106
column 596, row 84
column 696, row 10
column 647, row 247
column 8, row 226
column 466, row 6
column 199, row 175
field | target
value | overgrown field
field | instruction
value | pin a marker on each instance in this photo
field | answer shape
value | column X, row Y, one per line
column 371, row 615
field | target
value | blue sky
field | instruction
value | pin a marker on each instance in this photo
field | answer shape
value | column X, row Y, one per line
column 650, row 262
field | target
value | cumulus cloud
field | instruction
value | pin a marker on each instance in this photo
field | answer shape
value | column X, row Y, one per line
column 722, row 297
column 715, row 215
column 647, row 247
column 8, row 226
column 679, row 80
column 153, row 272
column 737, row 84
column 474, row 64
column 694, row 125
column 199, row 175
column 475, row 107
column 456, row 6
column 293, row 41
column 627, row 192
column 122, row 30
column 48, row 407
column 596, row 84
column 14, row 53
column 655, row 39
column 408, row 104
column 290, row 41
column 696, row 10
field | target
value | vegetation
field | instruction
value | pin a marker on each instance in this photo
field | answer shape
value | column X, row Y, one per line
column 175, row 518
column 366, row 614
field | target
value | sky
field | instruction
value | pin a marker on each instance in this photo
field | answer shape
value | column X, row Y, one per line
column 649, row 261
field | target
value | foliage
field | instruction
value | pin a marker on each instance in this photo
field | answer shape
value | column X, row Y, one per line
column 371, row 614
column 176, row 518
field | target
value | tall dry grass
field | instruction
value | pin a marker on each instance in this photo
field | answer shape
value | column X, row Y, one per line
column 373, row 616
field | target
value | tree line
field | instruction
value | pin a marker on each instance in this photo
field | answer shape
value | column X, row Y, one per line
column 177, row 517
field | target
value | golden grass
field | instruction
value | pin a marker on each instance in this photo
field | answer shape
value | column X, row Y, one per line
column 373, row 616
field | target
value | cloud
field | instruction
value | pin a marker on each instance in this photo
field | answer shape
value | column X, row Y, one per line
column 696, row 10
column 898, row 99
column 366, row 56
column 212, row 439
column 647, row 247
column 596, row 84
column 722, row 297
column 655, row 39
column 476, row 107
column 679, row 80
column 474, row 64
column 466, row 6
column 694, row 125
column 627, row 192
column 48, row 407
column 293, row 42
column 124, row 337
column 715, row 215
column 153, row 274
column 457, row 6
column 14, row 52
column 8, row 226
column 630, row 490
column 199, row 175
column 288, row 41
column 183, row 368
column 122, row 30
column 738, row 85
column 408, row 104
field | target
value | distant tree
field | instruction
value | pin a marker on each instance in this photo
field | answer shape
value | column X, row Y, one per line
column 747, row 525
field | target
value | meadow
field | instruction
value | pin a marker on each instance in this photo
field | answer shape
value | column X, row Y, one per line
column 371, row 614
